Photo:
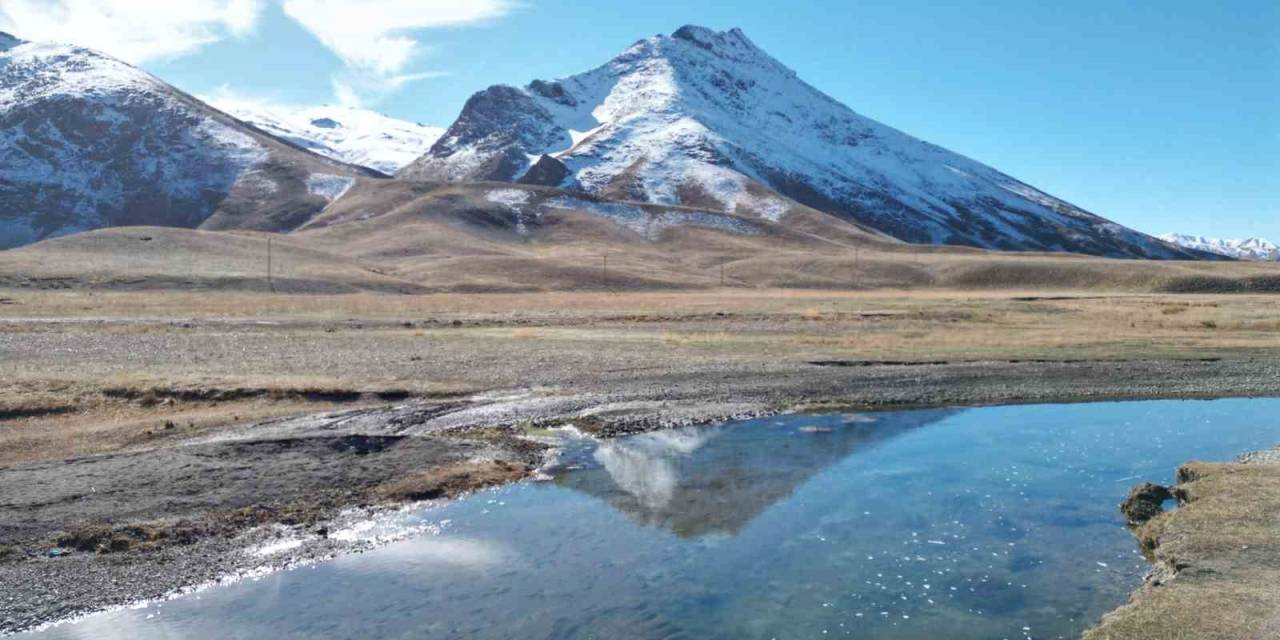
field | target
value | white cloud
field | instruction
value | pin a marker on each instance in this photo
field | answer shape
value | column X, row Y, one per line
column 353, row 89
column 133, row 30
column 375, row 38
column 377, row 34
column 230, row 99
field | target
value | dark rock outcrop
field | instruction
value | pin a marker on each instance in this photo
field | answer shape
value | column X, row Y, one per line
column 547, row 172
column 497, row 127
column 1145, row 502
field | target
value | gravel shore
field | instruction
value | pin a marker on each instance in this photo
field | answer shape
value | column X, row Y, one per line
column 176, row 517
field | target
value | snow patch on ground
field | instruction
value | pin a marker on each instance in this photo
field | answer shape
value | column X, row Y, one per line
column 515, row 199
column 508, row 197
column 652, row 225
column 277, row 547
column 629, row 216
column 259, row 183
column 329, row 187
column 767, row 207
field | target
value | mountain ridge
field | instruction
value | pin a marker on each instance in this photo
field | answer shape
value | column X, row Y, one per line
column 707, row 118
column 88, row 141
column 1257, row 249
column 355, row 136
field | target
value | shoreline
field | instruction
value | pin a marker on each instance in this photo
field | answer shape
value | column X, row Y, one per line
column 1214, row 566
column 423, row 449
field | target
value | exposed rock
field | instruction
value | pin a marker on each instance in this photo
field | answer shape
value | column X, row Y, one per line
column 498, row 123
column 1145, row 502
column 548, row 172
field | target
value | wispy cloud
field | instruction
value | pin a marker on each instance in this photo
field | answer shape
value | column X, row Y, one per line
column 229, row 98
column 377, row 40
column 352, row 88
column 133, row 30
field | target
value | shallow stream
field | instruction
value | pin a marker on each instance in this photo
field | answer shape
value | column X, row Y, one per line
column 978, row 523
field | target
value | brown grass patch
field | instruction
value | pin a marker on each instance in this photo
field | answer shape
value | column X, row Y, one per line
column 449, row 481
column 1223, row 547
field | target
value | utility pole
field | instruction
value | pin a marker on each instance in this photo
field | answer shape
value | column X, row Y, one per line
column 604, row 270
column 270, row 282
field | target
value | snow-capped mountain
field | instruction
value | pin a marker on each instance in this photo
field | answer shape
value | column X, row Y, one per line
column 87, row 141
column 355, row 136
column 708, row 119
column 1246, row 249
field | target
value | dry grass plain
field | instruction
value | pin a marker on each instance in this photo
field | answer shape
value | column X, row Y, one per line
column 97, row 371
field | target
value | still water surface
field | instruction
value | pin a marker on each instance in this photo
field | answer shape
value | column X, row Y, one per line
column 980, row 523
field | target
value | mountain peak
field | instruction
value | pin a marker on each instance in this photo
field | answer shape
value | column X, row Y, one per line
column 732, row 44
column 707, row 119
column 700, row 36
column 709, row 38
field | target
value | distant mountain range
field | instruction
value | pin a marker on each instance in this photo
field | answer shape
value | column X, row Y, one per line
column 355, row 136
column 700, row 122
column 1247, row 249
column 708, row 119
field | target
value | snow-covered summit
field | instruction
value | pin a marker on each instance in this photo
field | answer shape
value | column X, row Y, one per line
column 88, row 141
column 356, row 136
column 1243, row 249
column 707, row 118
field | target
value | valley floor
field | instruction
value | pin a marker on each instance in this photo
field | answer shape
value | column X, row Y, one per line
column 146, row 438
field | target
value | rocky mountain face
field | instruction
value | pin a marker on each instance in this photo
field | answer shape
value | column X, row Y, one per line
column 708, row 119
column 355, row 136
column 87, row 141
column 1246, row 249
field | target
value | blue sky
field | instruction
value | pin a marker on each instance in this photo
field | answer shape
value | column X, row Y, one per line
column 1164, row 116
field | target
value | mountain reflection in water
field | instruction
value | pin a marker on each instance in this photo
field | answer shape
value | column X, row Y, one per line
column 700, row 481
column 993, row 522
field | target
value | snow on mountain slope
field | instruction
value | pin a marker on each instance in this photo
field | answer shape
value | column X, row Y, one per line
column 1246, row 249
column 707, row 119
column 87, row 141
column 355, row 136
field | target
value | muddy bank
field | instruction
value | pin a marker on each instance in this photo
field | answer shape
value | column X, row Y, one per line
column 90, row 533
column 1215, row 559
